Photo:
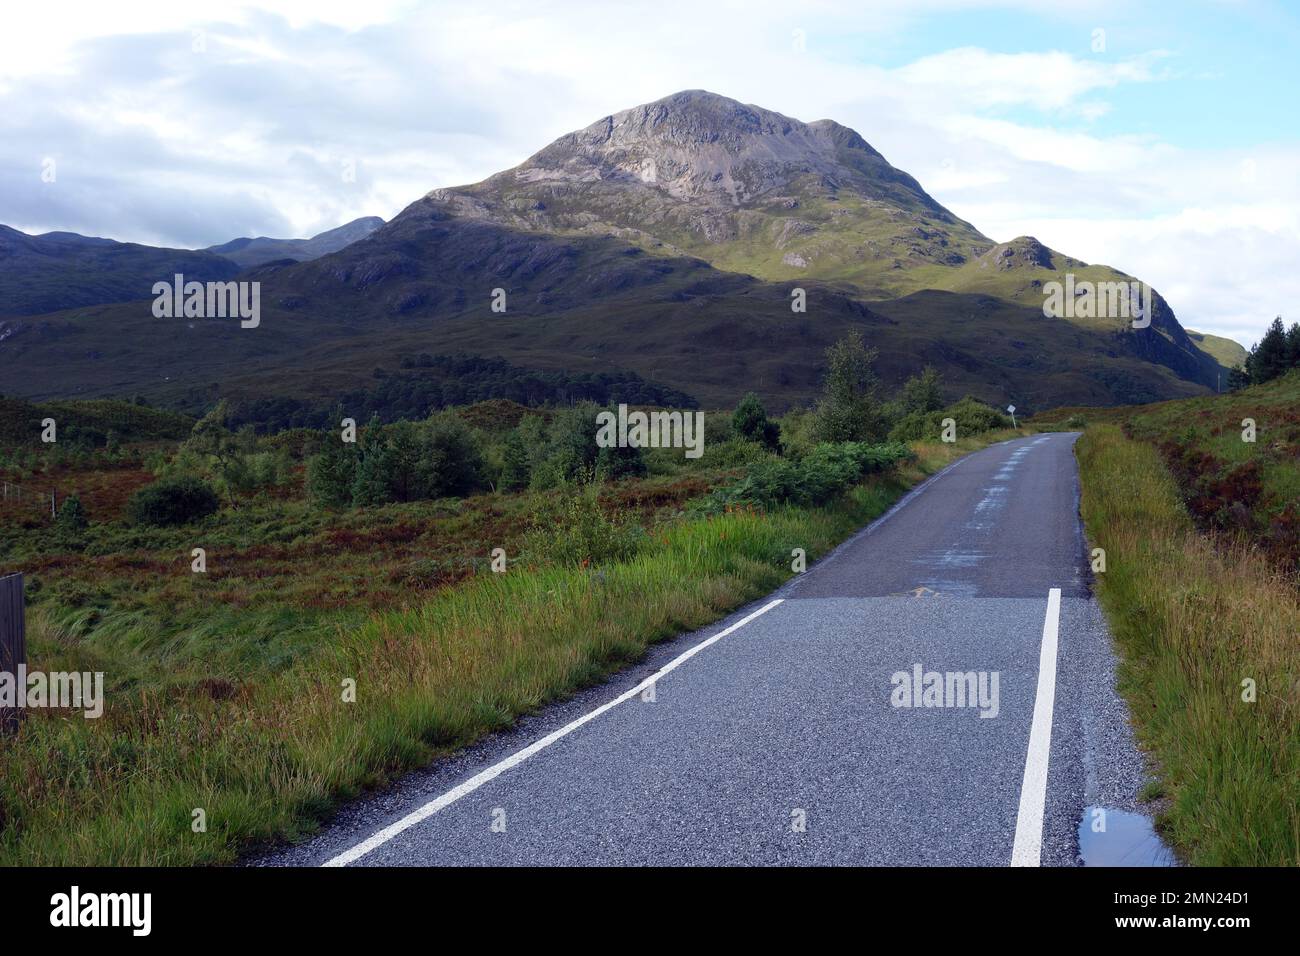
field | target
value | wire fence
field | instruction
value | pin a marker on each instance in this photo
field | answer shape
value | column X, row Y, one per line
column 25, row 498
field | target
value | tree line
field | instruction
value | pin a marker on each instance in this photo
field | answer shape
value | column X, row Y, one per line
column 432, row 382
column 1271, row 357
column 452, row 453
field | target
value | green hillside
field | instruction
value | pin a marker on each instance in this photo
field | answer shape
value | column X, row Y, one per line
column 87, row 422
column 1227, row 352
column 670, row 242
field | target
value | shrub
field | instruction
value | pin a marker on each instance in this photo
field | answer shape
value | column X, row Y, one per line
column 735, row 452
column 971, row 415
column 750, row 422
column 372, row 483
column 615, row 463
column 571, row 446
column 826, row 472
column 330, row 474
column 546, row 475
column 530, row 438
column 454, row 459
column 923, row 393
column 577, row 533
column 72, row 516
column 515, row 468
column 797, row 431
column 442, row 458
column 172, row 501
column 567, row 451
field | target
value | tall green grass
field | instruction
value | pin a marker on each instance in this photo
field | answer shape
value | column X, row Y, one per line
column 266, row 758
column 263, row 742
column 1194, row 621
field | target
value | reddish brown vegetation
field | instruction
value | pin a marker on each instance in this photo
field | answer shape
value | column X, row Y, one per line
column 1234, row 499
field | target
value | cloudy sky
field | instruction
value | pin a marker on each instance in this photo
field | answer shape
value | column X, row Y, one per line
column 1163, row 138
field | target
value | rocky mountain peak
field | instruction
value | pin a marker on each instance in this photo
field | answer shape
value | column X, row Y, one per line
column 699, row 146
column 691, row 119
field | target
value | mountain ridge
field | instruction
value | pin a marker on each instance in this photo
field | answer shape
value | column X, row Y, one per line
column 665, row 240
column 247, row 251
column 771, row 196
column 51, row 271
column 60, row 270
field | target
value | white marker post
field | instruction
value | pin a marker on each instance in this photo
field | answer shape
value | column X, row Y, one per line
column 1011, row 410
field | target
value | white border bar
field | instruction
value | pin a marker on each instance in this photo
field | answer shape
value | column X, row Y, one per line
column 514, row 760
column 1028, row 847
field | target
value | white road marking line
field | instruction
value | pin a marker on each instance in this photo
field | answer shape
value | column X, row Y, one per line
column 514, row 760
column 1028, row 847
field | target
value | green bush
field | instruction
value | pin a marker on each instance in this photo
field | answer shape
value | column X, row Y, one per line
column 330, row 474
column 515, row 468
column 972, row 417
column 406, row 461
column 566, row 451
column 71, row 524
column 797, row 427
column 822, row 475
column 571, row 442
column 734, row 453
column 751, row 423
column 454, row 459
column 618, row 462
column 172, row 501
column 924, row 392
column 72, row 516
column 577, row 533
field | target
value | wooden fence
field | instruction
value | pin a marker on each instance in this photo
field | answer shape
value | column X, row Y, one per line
column 13, row 643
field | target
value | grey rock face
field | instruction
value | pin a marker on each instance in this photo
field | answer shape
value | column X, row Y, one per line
column 686, row 163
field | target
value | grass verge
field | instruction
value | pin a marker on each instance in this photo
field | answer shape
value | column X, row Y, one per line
column 1196, row 619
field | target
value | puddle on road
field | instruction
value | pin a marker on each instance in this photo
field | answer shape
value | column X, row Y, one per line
column 1129, row 840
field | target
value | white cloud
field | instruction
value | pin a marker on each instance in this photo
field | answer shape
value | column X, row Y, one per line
column 159, row 143
column 1044, row 81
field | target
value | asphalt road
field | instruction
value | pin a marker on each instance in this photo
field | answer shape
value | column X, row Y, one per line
column 784, row 737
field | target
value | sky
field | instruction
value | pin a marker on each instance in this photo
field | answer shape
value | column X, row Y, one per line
column 1159, row 138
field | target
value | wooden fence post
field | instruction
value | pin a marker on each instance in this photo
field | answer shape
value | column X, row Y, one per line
column 13, row 644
